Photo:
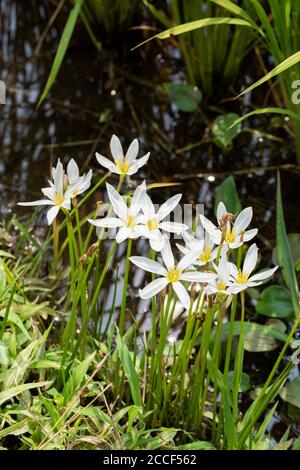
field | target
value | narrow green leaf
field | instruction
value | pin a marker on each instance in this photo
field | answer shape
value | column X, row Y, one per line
column 76, row 378
column 270, row 110
column 62, row 47
column 228, row 194
column 129, row 370
column 18, row 389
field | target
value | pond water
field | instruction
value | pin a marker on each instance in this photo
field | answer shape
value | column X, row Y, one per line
column 118, row 91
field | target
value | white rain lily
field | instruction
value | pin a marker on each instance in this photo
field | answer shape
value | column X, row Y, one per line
column 171, row 273
column 127, row 218
column 221, row 283
column 127, row 164
column 235, row 235
column 82, row 183
column 240, row 279
column 205, row 246
column 56, row 196
column 153, row 221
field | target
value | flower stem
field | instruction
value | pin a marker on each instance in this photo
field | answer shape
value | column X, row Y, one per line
column 124, row 294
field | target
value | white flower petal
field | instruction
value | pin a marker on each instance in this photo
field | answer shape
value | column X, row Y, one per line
column 52, row 213
column 167, row 254
column 214, row 232
column 188, row 260
column 157, row 244
column 148, row 207
column 154, row 288
column 250, row 259
column 107, row 163
column 182, row 294
column 243, row 220
column 167, row 207
column 194, row 276
column 173, row 227
column 263, row 275
column 122, row 234
column 142, row 161
column 116, row 148
column 132, row 151
column 58, row 177
column 221, row 210
column 249, row 234
column 148, row 265
column 49, row 193
column 72, row 171
column 137, row 199
column 40, row 202
column 118, row 204
column 108, row 222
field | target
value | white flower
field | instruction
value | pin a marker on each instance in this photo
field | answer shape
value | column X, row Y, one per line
column 170, row 273
column 234, row 236
column 82, row 183
column 127, row 218
column 204, row 245
column 221, row 283
column 123, row 164
column 152, row 221
column 56, row 196
column 240, row 279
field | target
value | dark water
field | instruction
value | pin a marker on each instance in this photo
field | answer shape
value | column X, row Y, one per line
column 118, row 91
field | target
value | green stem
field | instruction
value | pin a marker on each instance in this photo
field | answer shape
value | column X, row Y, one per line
column 239, row 362
column 124, row 294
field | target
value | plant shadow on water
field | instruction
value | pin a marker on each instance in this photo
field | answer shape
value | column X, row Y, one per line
column 85, row 109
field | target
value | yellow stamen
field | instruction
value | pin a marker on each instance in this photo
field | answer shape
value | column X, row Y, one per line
column 152, row 224
column 173, row 275
column 130, row 222
column 205, row 255
column 230, row 236
column 221, row 285
column 123, row 166
column 58, row 199
column 242, row 277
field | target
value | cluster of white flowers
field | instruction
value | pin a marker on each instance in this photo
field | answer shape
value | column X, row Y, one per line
column 206, row 257
column 63, row 189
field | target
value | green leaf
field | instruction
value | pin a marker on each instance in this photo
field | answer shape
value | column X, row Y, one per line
column 294, row 242
column 225, row 129
column 228, row 194
column 191, row 26
column 284, row 254
column 286, row 64
column 185, row 97
column 291, row 392
column 197, row 445
column 244, row 383
column 252, row 327
column 258, row 341
column 18, row 389
column 270, row 110
column 62, row 47
column 77, row 378
column 130, row 371
column 275, row 301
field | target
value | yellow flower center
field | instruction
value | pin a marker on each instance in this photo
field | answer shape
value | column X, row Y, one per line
column 123, row 166
column 130, row 222
column 205, row 255
column 58, row 199
column 173, row 275
column 230, row 236
column 242, row 277
column 152, row 224
column 221, row 285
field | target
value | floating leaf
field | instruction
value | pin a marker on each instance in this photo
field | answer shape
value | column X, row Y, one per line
column 244, row 383
column 228, row 194
column 223, row 133
column 185, row 97
column 275, row 301
column 291, row 392
column 256, row 341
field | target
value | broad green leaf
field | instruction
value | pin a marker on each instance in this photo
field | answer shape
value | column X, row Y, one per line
column 191, row 26
column 197, row 445
column 257, row 341
column 18, row 389
column 244, row 383
column 275, row 301
column 130, row 371
column 77, row 377
column 284, row 251
column 62, row 47
column 294, row 242
column 252, row 327
column 228, row 194
column 282, row 67
column 291, row 392
column 225, row 129
column 185, row 97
